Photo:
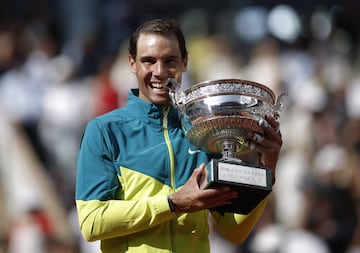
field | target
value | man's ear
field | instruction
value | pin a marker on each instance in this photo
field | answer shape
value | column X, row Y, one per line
column 185, row 64
column 132, row 63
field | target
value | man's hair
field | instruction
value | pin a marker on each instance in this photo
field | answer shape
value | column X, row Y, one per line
column 165, row 27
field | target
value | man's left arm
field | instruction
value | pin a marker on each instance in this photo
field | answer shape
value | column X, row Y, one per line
column 237, row 227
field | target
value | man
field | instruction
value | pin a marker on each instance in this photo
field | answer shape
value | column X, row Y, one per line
column 138, row 188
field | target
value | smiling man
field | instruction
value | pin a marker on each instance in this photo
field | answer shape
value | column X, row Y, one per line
column 157, row 59
column 139, row 189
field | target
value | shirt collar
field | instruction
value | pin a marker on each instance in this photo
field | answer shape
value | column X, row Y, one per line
column 143, row 107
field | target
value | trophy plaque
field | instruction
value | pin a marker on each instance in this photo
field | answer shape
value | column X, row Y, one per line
column 216, row 116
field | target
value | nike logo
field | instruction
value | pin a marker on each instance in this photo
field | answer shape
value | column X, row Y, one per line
column 191, row 152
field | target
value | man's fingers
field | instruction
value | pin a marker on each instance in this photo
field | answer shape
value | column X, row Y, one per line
column 204, row 178
column 200, row 175
column 217, row 197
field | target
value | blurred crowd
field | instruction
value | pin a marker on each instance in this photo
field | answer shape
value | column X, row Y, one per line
column 54, row 79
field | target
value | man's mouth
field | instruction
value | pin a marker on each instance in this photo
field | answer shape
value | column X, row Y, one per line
column 158, row 85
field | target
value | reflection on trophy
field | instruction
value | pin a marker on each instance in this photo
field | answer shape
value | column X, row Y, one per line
column 216, row 116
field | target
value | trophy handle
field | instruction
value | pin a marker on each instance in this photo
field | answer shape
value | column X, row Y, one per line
column 177, row 96
column 279, row 105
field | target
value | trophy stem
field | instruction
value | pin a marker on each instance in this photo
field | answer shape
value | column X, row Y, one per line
column 229, row 148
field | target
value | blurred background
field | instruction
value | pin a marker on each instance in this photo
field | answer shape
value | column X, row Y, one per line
column 62, row 62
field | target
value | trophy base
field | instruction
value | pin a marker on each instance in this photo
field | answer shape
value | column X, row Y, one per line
column 253, row 184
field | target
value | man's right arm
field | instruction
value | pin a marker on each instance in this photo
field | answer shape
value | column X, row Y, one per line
column 102, row 213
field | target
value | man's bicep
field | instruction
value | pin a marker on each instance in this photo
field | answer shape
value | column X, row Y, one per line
column 97, row 177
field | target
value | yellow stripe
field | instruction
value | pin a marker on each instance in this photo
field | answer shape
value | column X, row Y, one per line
column 172, row 174
column 168, row 143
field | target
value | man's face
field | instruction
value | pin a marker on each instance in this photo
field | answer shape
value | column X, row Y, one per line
column 158, row 58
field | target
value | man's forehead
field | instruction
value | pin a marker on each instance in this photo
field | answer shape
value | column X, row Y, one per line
column 154, row 42
column 155, row 36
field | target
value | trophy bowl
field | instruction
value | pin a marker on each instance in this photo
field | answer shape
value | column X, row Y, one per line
column 217, row 113
column 216, row 116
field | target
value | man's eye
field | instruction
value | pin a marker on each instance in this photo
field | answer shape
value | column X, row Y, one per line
column 171, row 62
column 148, row 61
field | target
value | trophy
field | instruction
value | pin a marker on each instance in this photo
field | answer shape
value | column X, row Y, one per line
column 216, row 116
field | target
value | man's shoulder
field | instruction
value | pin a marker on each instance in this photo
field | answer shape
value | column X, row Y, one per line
column 117, row 115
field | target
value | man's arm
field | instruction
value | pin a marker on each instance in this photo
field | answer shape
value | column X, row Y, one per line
column 237, row 227
column 113, row 218
column 102, row 213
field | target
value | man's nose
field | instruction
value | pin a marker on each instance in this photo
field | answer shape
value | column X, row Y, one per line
column 159, row 68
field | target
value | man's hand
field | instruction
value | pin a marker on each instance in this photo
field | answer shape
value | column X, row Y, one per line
column 268, row 144
column 193, row 196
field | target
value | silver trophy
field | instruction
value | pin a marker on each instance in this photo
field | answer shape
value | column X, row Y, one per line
column 216, row 116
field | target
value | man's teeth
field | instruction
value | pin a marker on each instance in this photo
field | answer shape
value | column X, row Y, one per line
column 158, row 85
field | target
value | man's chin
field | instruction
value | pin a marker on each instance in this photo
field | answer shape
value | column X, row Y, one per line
column 161, row 98
column 160, row 93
